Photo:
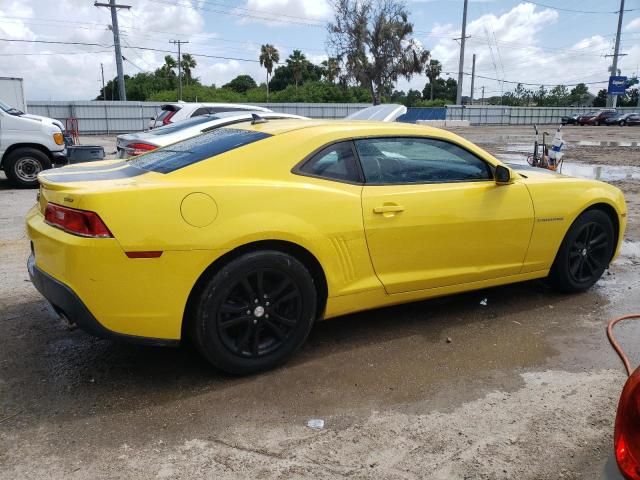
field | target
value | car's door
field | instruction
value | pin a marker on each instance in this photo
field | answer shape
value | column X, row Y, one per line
column 434, row 216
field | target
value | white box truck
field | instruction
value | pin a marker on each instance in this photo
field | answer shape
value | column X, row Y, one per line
column 28, row 143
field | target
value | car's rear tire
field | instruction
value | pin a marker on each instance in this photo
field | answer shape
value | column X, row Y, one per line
column 255, row 312
column 585, row 253
column 622, row 123
column 23, row 165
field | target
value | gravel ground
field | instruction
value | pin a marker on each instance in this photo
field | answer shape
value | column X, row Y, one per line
column 527, row 388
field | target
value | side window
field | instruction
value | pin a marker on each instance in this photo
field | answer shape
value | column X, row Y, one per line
column 418, row 160
column 200, row 111
column 335, row 162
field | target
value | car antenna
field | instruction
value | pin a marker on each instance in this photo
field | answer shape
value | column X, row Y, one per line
column 257, row 119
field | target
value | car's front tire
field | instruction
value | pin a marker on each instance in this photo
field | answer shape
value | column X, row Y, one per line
column 23, row 165
column 255, row 312
column 585, row 253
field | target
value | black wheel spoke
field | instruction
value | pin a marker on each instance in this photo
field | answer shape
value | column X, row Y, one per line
column 283, row 320
column 233, row 309
column 232, row 322
column 248, row 289
column 275, row 329
column 280, row 289
column 599, row 241
column 255, row 345
column 260, row 284
column 285, row 298
column 242, row 343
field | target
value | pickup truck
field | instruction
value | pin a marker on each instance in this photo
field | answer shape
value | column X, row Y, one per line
column 28, row 145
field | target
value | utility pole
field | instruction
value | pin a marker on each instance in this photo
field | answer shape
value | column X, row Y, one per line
column 116, row 43
column 483, row 95
column 612, row 100
column 461, row 64
column 473, row 78
column 104, row 92
column 179, row 43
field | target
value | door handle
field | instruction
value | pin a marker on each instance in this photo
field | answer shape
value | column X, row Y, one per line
column 389, row 209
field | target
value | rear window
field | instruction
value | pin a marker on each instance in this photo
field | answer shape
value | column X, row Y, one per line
column 176, row 127
column 196, row 149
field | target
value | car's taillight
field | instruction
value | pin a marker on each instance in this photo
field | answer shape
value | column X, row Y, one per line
column 139, row 148
column 167, row 120
column 626, row 436
column 77, row 222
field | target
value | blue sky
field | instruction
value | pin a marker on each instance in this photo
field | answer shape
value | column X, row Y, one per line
column 513, row 40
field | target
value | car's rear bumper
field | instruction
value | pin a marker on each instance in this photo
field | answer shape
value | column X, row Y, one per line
column 66, row 303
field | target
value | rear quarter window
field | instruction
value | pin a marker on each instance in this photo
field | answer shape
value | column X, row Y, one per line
column 196, row 149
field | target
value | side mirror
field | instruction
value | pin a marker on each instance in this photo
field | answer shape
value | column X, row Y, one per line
column 503, row 175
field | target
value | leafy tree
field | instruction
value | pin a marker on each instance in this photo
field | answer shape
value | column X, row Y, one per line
column 540, row 96
column 188, row 63
column 330, row 69
column 373, row 40
column 601, row 98
column 169, row 66
column 413, row 98
column 443, row 90
column 284, row 76
column 559, row 96
column 630, row 99
column 297, row 62
column 241, row 84
column 269, row 56
column 579, row 94
column 433, row 70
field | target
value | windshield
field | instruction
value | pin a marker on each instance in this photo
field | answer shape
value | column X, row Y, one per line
column 9, row 109
column 196, row 149
column 176, row 127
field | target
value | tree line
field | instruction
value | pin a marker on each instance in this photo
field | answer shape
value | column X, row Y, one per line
column 372, row 47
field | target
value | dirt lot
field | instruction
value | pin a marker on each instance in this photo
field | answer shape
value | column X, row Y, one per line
column 526, row 389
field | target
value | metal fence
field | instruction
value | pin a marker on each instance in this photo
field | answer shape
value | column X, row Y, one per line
column 500, row 115
column 97, row 117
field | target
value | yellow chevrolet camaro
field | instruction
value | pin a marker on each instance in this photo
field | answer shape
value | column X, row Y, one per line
column 241, row 238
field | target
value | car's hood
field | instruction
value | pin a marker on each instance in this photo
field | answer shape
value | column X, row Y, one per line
column 44, row 120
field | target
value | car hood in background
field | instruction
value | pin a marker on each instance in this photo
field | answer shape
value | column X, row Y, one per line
column 381, row 113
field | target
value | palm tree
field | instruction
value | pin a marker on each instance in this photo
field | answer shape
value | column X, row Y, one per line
column 331, row 69
column 268, row 56
column 169, row 65
column 298, row 63
column 433, row 70
column 188, row 63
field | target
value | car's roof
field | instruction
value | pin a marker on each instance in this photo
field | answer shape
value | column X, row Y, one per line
column 344, row 127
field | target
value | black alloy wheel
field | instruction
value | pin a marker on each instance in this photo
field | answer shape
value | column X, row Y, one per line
column 260, row 313
column 585, row 253
column 255, row 312
column 589, row 253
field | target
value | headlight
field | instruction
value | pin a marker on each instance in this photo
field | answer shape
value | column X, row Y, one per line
column 58, row 138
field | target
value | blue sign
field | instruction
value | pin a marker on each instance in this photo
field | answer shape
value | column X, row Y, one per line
column 617, row 85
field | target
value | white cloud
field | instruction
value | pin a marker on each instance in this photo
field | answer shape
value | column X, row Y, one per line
column 512, row 47
column 633, row 25
column 278, row 12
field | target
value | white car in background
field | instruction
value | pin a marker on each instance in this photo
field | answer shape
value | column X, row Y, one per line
column 132, row 144
column 175, row 112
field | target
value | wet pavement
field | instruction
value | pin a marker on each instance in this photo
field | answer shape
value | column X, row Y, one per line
column 526, row 387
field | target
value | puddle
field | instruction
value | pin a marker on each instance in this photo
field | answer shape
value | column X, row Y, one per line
column 594, row 172
column 592, row 143
column 629, row 253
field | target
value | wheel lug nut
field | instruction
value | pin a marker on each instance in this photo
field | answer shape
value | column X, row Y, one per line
column 255, row 320
column 255, row 301
column 267, row 304
column 266, row 316
column 265, row 295
column 248, row 312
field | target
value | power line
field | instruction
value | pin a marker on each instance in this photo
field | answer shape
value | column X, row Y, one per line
column 574, row 11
